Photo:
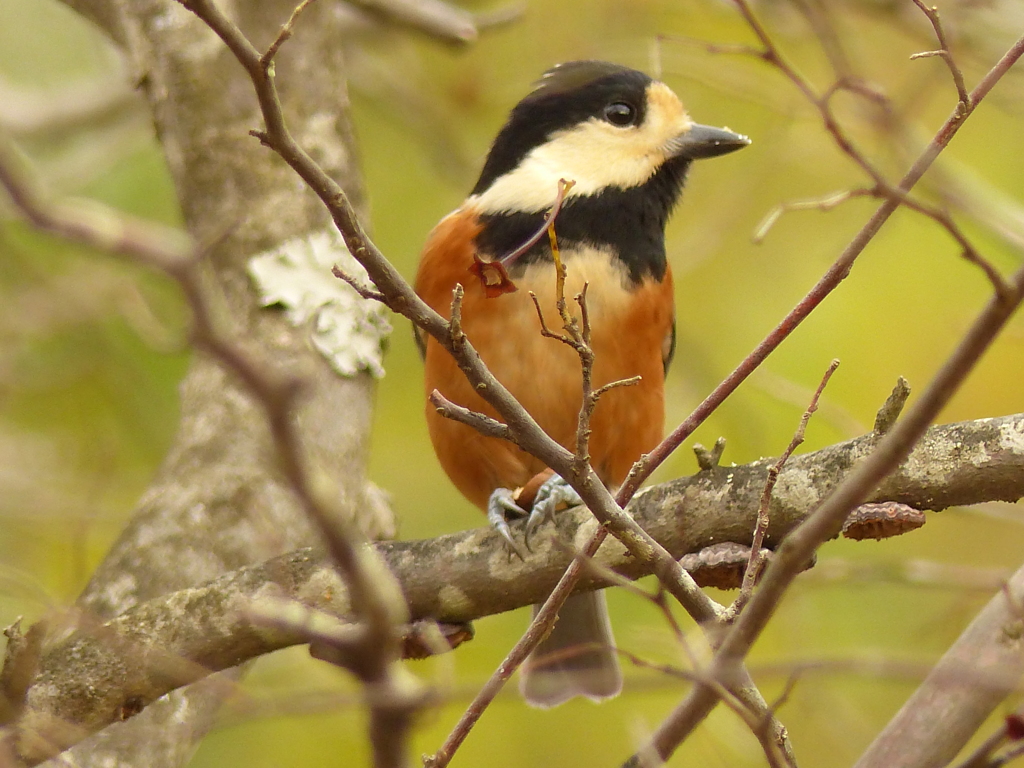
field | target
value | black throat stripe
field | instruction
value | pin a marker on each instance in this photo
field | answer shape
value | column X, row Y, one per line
column 629, row 222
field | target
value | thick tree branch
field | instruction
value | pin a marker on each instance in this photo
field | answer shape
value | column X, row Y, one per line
column 827, row 520
column 85, row 680
column 220, row 500
column 400, row 297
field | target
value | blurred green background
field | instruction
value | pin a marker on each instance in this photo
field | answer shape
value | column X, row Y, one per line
column 91, row 351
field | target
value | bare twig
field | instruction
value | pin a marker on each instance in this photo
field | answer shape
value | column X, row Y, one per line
column 800, row 545
column 95, row 225
column 287, row 30
column 482, row 423
column 892, row 407
column 709, row 459
column 839, row 269
column 358, row 287
column 276, row 393
column 757, row 561
column 944, row 53
column 826, row 203
column 960, row 692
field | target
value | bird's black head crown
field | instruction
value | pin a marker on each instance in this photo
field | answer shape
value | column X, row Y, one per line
column 625, row 141
column 566, row 95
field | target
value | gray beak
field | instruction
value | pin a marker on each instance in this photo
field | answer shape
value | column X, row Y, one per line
column 704, row 141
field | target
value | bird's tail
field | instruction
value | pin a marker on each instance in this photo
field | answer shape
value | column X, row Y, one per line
column 576, row 659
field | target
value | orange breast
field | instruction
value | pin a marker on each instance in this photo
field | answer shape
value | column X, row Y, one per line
column 629, row 326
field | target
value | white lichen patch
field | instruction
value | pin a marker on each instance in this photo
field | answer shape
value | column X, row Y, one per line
column 1011, row 437
column 325, row 589
column 347, row 329
column 797, row 488
column 121, row 590
column 467, row 547
column 454, row 599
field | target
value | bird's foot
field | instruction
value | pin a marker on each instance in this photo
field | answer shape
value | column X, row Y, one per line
column 500, row 507
column 554, row 493
column 550, row 496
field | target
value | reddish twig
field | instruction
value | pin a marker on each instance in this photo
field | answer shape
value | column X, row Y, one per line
column 757, row 559
column 800, row 545
column 493, row 275
column 797, row 548
column 831, row 279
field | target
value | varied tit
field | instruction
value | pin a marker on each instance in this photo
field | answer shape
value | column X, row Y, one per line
column 626, row 142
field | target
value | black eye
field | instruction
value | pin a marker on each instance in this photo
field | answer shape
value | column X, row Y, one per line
column 620, row 113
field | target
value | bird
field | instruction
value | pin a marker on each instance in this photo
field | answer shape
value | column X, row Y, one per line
column 613, row 146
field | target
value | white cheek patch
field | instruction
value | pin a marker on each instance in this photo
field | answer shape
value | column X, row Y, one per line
column 594, row 154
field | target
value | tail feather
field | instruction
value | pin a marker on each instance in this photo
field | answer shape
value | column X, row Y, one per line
column 576, row 659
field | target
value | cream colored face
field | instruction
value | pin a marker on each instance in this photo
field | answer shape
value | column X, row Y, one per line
column 595, row 154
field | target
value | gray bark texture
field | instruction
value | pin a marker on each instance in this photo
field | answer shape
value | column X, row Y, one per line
column 219, row 501
column 117, row 668
column 978, row 672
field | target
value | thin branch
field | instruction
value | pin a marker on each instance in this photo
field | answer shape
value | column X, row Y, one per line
column 630, row 382
column 826, row 203
column 358, row 287
column 482, row 423
column 757, row 561
column 892, row 407
column 276, row 393
column 465, row 575
column 882, row 187
column 287, row 30
column 95, row 225
column 798, row 547
column 960, row 692
column 828, row 282
column 944, row 53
